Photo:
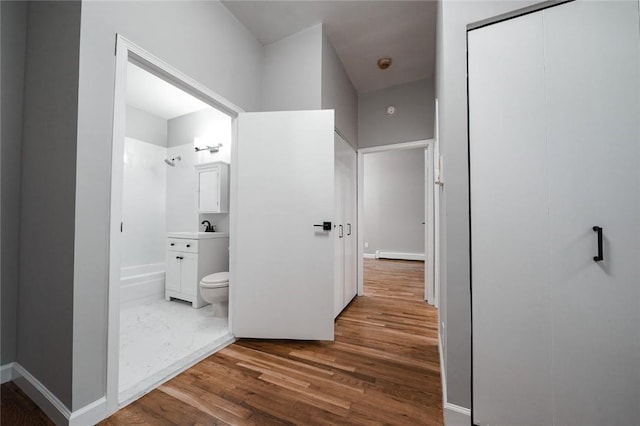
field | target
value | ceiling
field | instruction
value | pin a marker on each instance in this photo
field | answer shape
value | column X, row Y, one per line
column 360, row 31
column 154, row 95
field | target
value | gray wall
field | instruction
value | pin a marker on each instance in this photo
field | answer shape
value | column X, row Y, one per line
column 201, row 39
column 183, row 129
column 338, row 93
column 451, row 92
column 412, row 121
column 47, row 228
column 13, row 16
column 292, row 74
column 146, row 127
column 394, row 201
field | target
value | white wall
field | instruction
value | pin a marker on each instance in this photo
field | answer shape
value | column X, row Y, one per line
column 292, row 74
column 412, row 121
column 12, row 38
column 451, row 91
column 201, row 39
column 214, row 127
column 338, row 93
column 143, row 203
column 394, row 184
column 146, row 127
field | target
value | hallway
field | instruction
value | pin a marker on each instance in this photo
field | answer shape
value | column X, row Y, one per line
column 382, row 368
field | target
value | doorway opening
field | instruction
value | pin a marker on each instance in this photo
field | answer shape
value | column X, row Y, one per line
column 170, row 224
column 396, row 210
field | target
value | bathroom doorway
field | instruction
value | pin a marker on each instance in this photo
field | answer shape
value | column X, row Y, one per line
column 170, row 224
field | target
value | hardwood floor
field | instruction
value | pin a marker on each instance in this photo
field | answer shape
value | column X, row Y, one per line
column 383, row 368
column 17, row 409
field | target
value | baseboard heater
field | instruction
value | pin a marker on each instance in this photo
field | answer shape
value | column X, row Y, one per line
column 381, row 254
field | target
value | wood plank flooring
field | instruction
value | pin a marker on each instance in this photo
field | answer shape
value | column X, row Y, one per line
column 17, row 409
column 383, row 368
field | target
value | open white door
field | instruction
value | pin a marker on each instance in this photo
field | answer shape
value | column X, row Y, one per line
column 284, row 280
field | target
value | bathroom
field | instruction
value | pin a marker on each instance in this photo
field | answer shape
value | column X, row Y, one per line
column 174, row 232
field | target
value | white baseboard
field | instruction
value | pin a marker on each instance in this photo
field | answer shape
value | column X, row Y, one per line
column 52, row 406
column 454, row 415
column 368, row 256
column 6, row 372
column 381, row 254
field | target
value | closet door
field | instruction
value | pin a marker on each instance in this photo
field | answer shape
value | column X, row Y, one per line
column 592, row 87
column 509, row 224
column 351, row 239
column 338, row 235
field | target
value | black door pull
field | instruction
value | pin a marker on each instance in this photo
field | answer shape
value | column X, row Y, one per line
column 340, row 228
column 349, row 231
column 600, row 256
column 326, row 226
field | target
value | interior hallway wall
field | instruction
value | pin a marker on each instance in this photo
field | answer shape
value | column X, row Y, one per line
column 13, row 27
column 201, row 39
column 412, row 121
column 394, row 184
column 47, row 204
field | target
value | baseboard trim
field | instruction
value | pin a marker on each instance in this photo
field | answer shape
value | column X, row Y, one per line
column 454, row 415
column 380, row 254
column 47, row 401
column 6, row 372
column 54, row 408
column 368, row 256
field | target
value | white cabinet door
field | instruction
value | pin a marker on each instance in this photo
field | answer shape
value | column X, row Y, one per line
column 189, row 273
column 209, row 195
column 509, row 224
column 592, row 90
column 172, row 281
column 284, row 276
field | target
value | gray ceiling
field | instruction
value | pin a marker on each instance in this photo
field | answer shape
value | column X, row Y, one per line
column 360, row 31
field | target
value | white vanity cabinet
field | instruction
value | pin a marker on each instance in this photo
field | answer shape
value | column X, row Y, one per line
column 212, row 187
column 190, row 257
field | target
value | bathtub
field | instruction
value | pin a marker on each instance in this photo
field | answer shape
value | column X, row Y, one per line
column 142, row 282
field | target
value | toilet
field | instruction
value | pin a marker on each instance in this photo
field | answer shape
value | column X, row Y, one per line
column 214, row 289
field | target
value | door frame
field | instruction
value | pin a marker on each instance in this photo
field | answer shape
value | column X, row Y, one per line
column 431, row 291
column 126, row 52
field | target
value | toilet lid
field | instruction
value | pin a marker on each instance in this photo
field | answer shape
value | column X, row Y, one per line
column 217, row 278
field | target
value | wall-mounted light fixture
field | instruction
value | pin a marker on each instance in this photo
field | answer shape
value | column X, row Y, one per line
column 201, row 145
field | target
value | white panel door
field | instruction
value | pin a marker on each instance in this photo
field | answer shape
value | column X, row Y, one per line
column 172, row 281
column 339, row 225
column 189, row 274
column 509, row 224
column 285, row 264
column 592, row 90
column 351, row 239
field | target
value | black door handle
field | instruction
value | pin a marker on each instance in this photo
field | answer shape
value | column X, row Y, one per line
column 600, row 256
column 326, row 226
column 340, row 230
column 349, row 231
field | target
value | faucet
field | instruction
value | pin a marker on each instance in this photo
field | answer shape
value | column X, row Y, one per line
column 208, row 227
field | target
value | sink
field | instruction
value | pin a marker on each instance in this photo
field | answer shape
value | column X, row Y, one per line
column 198, row 235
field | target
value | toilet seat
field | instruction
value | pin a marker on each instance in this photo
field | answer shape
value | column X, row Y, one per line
column 219, row 279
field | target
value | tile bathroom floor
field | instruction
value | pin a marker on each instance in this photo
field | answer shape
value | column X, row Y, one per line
column 157, row 337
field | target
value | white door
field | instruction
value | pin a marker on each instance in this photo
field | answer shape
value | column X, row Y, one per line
column 284, row 279
column 351, row 240
column 592, row 91
column 338, row 226
column 509, row 224
column 173, row 277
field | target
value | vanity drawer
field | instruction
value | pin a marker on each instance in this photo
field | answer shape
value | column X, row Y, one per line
column 182, row 244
